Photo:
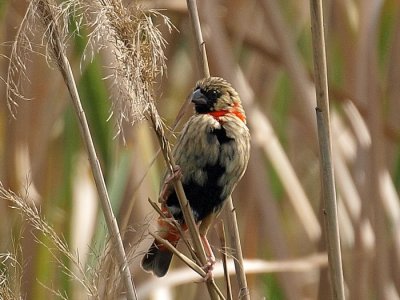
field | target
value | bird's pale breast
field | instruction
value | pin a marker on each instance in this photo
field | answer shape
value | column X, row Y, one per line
column 213, row 156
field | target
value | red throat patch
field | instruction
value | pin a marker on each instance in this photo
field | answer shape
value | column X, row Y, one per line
column 234, row 110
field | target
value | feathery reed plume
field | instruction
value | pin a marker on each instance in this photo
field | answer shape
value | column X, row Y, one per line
column 129, row 33
column 54, row 21
column 138, row 49
column 32, row 215
column 51, row 15
column 10, row 276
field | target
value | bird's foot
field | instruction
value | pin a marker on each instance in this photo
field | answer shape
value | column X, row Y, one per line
column 174, row 176
column 208, row 268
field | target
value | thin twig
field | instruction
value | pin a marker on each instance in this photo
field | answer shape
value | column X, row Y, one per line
column 324, row 137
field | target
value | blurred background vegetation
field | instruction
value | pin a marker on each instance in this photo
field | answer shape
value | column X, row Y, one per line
column 264, row 48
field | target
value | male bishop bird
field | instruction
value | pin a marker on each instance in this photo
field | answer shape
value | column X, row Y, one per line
column 212, row 152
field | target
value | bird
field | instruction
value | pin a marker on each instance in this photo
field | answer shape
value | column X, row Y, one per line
column 212, row 153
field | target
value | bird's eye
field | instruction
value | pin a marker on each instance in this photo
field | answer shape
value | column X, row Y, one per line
column 213, row 95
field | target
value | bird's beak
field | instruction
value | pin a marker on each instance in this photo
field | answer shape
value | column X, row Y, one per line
column 198, row 98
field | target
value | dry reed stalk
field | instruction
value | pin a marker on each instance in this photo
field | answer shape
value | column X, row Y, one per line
column 324, row 137
column 222, row 238
column 111, row 221
column 234, row 238
column 45, row 10
column 201, row 52
column 230, row 214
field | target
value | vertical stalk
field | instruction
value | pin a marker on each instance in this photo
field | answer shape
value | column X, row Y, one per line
column 99, row 181
column 222, row 238
column 201, row 45
column 324, row 137
column 233, row 233
column 230, row 210
column 65, row 69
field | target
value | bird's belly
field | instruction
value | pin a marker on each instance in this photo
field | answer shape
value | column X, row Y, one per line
column 212, row 162
column 203, row 190
column 206, row 198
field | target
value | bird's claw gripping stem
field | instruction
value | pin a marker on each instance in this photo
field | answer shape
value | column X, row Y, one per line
column 208, row 268
column 174, row 176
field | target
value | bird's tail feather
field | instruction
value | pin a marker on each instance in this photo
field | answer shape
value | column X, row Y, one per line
column 158, row 257
column 157, row 260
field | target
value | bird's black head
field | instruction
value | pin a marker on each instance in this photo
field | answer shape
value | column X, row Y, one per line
column 214, row 94
column 205, row 99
